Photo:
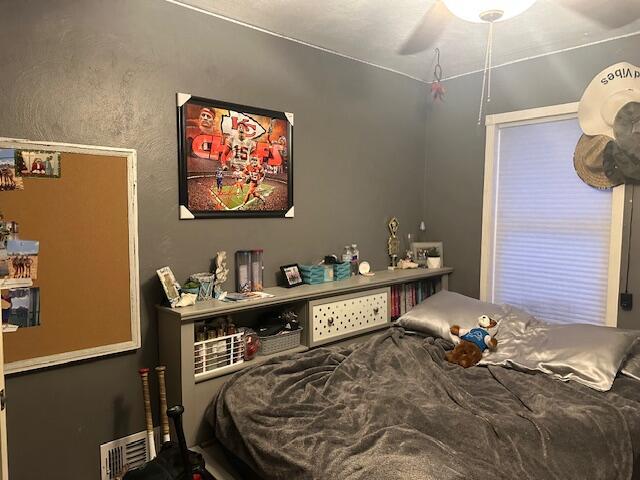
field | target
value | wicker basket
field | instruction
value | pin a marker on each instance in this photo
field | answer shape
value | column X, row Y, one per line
column 280, row 342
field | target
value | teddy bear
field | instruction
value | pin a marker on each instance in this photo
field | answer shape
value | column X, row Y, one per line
column 472, row 342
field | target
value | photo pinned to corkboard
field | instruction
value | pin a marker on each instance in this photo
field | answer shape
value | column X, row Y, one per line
column 20, row 308
column 37, row 163
column 9, row 181
column 23, row 259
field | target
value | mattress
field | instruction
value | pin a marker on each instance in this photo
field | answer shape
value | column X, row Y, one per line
column 393, row 408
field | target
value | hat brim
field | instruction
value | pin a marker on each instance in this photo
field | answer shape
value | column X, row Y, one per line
column 605, row 95
column 596, row 180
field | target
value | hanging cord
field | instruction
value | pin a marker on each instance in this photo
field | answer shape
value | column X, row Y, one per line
column 626, row 283
column 487, row 72
column 437, row 70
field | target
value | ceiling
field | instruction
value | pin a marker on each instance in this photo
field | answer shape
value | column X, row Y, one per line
column 373, row 30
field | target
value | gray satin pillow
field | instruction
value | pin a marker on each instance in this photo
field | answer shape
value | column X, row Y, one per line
column 631, row 366
column 588, row 354
column 437, row 313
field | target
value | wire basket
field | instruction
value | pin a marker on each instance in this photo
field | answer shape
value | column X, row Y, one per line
column 216, row 353
column 280, row 342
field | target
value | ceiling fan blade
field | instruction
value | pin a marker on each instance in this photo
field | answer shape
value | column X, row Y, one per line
column 609, row 13
column 428, row 30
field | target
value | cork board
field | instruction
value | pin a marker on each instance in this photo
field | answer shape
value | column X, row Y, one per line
column 87, row 275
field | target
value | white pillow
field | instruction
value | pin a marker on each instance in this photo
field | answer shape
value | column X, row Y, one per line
column 437, row 313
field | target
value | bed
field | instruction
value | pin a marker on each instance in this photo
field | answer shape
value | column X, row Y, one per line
column 393, row 408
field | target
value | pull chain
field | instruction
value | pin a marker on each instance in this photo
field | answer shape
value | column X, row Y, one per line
column 486, row 76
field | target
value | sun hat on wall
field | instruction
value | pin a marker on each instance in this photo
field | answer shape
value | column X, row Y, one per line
column 588, row 160
column 607, row 93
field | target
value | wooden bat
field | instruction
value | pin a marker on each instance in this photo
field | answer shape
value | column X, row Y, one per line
column 144, row 375
column 164, row 420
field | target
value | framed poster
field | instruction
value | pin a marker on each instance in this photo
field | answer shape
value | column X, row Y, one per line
column 235, row 160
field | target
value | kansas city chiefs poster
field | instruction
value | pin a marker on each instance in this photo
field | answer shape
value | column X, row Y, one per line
column 235, row 160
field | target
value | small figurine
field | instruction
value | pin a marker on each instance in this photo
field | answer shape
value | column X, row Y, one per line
column 221, row 272
column 393, row 244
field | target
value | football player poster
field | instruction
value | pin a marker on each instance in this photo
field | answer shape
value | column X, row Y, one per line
column 235, row 161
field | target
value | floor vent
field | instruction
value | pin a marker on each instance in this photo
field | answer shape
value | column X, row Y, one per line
column 120, row 455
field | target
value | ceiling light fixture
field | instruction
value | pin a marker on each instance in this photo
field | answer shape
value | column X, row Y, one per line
column 488, row 11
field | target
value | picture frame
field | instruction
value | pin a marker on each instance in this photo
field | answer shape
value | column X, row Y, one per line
column 292, row 276
column 419, row 250
column 234, row 160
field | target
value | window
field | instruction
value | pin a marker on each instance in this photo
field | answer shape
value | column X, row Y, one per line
column 551, row 244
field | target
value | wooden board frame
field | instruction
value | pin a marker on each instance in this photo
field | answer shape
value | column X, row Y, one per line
column 134, row 285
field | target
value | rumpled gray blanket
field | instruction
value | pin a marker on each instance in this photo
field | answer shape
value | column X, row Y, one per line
column 393, row 408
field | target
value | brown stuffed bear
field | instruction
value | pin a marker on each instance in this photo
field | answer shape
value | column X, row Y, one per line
column 472, row 343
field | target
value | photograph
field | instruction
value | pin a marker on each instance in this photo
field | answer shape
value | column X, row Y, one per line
column 8, row 178
column 40, row 164
column 291, row 275
column 235, row 161
column 23, row 259
column 169, row 284
column 4, row 263
column 21, row 307
column 8, row 229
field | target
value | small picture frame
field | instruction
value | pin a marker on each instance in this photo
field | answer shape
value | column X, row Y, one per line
column 419, row 250
column 291, row 275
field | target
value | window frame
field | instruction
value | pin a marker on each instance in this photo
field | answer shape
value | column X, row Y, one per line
column 489, row 204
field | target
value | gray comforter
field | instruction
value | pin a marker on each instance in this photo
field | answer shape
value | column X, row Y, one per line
column 392, row 408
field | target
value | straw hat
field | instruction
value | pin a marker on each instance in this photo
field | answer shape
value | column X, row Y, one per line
column 588, row 161
column 607, row 93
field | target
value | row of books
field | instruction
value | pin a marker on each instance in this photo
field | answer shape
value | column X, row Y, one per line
column 405, row 297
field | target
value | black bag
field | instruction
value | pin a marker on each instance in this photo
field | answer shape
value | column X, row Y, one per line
column 174, row 461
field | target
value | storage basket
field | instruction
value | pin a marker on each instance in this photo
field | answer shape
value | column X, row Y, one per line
column 280, row 342
column 315, row 274
column 219, row 352
column 341, row 271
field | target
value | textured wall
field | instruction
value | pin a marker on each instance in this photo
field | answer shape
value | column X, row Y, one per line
column 105, row 72
column 455, row 148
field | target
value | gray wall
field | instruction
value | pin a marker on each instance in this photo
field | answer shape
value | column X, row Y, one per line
column 105, row 72
column 455, row 149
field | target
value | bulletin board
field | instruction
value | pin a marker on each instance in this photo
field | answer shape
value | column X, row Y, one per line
column 79, row 204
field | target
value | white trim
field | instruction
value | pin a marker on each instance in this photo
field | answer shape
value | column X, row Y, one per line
column 546, row 54
column 488, row 215
column 134, row 284
column 489, row 204
column 540, row 113
column 292, row 39
column 413, row 77
column 615, row 254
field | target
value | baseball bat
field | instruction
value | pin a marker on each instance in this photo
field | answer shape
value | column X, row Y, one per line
column 144, row 375
column 164, row 420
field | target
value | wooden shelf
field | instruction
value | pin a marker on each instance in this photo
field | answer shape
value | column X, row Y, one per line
column 212, row 308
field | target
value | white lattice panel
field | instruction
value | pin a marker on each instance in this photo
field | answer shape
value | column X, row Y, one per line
column 342, row 316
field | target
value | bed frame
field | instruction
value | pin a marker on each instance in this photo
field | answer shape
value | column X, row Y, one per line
column 370, row 296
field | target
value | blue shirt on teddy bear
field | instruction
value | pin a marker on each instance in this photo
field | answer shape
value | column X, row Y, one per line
column 476, row 335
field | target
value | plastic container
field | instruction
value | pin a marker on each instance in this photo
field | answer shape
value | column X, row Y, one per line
column 243, row 271
column 257, row 269
column 355, row 259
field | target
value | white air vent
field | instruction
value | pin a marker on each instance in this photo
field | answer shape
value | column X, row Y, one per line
column 123, row 454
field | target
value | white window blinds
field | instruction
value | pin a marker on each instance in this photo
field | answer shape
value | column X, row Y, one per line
column 551, row 231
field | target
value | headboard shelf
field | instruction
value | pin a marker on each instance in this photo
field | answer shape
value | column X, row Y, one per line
column 328, row 313
column 283, row 295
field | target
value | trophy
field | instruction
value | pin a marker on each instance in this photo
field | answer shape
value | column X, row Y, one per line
column 393, row 244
